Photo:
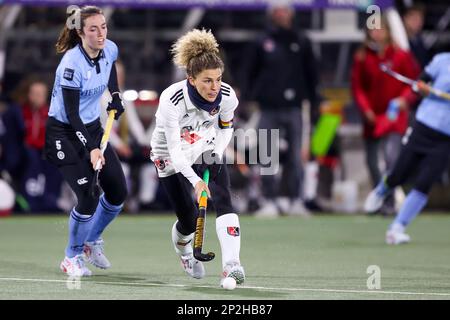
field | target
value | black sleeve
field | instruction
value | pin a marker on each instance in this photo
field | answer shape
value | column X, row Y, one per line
column 71, row 99
column 425, row 77
column 113, row 84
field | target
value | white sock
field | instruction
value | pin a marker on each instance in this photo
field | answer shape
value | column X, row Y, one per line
column 182, row 243
column 229, row 234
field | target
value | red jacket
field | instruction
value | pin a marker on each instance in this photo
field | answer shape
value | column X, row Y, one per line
column 35, row 125
column 373, row 89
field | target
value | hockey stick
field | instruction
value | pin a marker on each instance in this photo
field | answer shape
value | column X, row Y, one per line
column 412, row 83
column 200, row 226
column 95, row 186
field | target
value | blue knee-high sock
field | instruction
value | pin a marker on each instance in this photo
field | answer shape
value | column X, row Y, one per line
column 414, row 203
column 79, row 226
column 104, row 214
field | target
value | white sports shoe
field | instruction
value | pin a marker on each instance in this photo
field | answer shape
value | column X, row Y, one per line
column 94, row 254
column 268, row 210
column 192, row 266
column 235, row 271
column 298, row 209
column 75, row 267
column 375, row 200
column 397, row 237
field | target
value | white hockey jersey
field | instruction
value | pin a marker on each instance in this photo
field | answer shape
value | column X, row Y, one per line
column 183, row 131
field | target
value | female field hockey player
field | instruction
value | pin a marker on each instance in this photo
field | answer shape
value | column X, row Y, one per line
column 425, row 151
column 194, row 121
column 74, row 132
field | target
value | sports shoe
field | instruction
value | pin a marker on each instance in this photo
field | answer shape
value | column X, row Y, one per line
column 396, row 237
column 298, row 209
column 192, row 266
column 268, row 209
column 235, row 271
column 75, row 267
column 376, row 197
column 94, row 254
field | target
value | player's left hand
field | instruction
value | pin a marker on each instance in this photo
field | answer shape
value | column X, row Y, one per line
column 422, row 88
column 116, row 104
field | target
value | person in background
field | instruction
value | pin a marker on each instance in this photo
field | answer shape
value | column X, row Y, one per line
column 41, row 183
column 130, row 138
column 413, row 20
column 280, row 72
column 13, row 156
column 374, row 92
column 425, row 152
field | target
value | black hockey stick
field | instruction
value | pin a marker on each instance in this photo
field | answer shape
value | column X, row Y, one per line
column 200, row 226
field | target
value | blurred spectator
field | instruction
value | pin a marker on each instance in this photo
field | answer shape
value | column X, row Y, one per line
column 280, row 73
column 131, row 140
column 413, row 19
column 12, row 149
column 374, row 91
column 322, row 167
column 41, row 183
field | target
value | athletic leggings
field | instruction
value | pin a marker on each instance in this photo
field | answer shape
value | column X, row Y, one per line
column 111, row 179
column 65, row 150
column 179, row 190
column 425, row 154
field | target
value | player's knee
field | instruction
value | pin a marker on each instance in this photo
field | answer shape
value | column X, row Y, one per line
column 122, row 194
column 423, row 187
column 87, row 205
column 224, row 207
column 227, row 211
column 117, row 196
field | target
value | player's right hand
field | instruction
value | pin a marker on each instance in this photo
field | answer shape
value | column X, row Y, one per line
column 199, row 188
column 96, row 154
column 422, row 88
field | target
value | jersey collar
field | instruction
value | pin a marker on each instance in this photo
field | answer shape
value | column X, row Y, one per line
column 189, row 105
column 89, row 59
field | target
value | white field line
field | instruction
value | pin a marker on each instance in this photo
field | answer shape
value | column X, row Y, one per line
column 169, row 285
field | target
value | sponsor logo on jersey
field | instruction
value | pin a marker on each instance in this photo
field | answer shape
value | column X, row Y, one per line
column 188, row 136
column 82, row 181
column 68, row 74
column 81, row 137
column 60, row 155
column 160, row 163
column 214, row 111
column 95, row 91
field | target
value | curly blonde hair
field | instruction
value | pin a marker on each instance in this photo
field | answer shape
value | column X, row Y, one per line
column 196, row 51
